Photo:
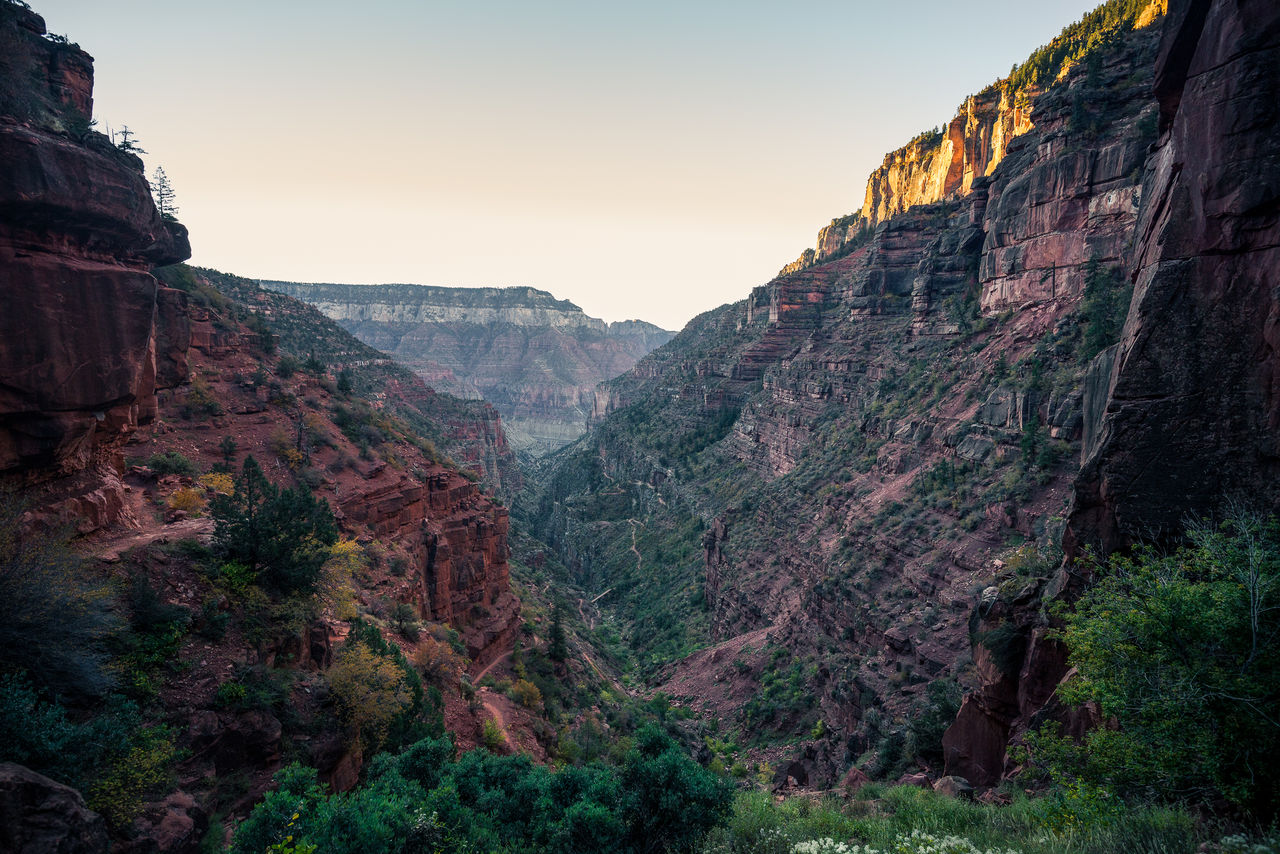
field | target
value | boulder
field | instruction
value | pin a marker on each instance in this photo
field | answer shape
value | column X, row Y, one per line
column 40, row 816
column 175, row 825
column 954, row 787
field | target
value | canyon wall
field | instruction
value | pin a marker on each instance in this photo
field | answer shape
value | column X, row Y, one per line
column 82, row 356
column 1192, row 406
column 536, row 358
column 948, row 162
column 1181, row 413
column 864, row 468
column 98, row 359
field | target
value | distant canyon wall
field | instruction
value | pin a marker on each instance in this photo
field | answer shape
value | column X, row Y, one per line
column 536, row 358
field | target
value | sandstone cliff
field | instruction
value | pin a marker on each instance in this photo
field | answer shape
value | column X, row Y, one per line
column 1181, row 414
column 82, row 355
column 1191, row 407
column 947, row 162
column 537, row 359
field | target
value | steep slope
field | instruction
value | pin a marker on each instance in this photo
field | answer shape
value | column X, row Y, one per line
column 469, row 431
column 1181, row 412
column 537, row 359
column 951, row 161
column 822, row 485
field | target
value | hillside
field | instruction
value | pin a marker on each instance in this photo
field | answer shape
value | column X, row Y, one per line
column 536, row 358
column 825, row 512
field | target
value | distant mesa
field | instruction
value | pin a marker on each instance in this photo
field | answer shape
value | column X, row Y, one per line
column 536, row 358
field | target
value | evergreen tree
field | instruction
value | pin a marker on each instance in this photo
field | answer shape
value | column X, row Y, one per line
column 557, row 648
column 282, row 535
column 126, row 142
column 162, row 191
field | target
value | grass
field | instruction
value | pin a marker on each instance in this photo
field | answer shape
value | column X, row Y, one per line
column 883, row 818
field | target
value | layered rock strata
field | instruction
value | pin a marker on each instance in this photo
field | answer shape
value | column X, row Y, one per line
column 1181, row 414
column 536, row 358
column 899, row 415
column 82, row 355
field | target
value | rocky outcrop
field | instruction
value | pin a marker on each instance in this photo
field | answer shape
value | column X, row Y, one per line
column 938, row 164
column 457, row 541
column 1193, row 393
column 950, row 162
column 39, row 816
column 536, row 358
column 78, row 237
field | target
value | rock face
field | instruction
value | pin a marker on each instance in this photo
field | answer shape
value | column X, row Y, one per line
column 951, row 162
column 79, row 235
column 536, row 358
column 877, row 428
column 1191, row 415
column 39, row 816
column 1181, row 415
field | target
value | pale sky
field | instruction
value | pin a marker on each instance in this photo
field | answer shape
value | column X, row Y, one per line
column 646, row 160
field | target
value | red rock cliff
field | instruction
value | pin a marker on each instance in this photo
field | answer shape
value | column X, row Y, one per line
column 1192, row 391
column 78, row 236
column 1182, row 414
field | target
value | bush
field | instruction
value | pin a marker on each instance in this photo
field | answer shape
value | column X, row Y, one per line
column 438, row 662
column 423, row 800
column 1183, row 649
column 404, row 618
column 187, row 499
column 526, row 694
column 371, row 691
column 218, row 482
column 170, row 462
column 199, row 402
column 55, row 617
column 491, row 735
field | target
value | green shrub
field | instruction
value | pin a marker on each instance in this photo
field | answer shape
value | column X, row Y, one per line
column 56, row 618
column 1183, row 649
column 170, row 462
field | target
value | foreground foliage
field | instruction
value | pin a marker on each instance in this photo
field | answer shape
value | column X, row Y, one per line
column 1183, row 650
column 909, row 820
column 424, row 800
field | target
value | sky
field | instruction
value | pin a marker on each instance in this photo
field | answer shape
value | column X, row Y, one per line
column 644, row 160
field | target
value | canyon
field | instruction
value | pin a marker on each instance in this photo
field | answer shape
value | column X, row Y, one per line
column 853, row 489
column 838, row 518
column 536, row 358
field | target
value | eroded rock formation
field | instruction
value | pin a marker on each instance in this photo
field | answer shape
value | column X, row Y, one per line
column 536, row 358
column 1181, row 415
column 79, row 235
column 1193, row 394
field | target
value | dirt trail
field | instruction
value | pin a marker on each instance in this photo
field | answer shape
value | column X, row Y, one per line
column 498, row 718
column 483, row 673
column 635, row 551
column 110, row 550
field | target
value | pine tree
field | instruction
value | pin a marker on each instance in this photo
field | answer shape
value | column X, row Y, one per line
column 162, row 191
column 126, row 142
column 282, row 535
column 557, row 647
